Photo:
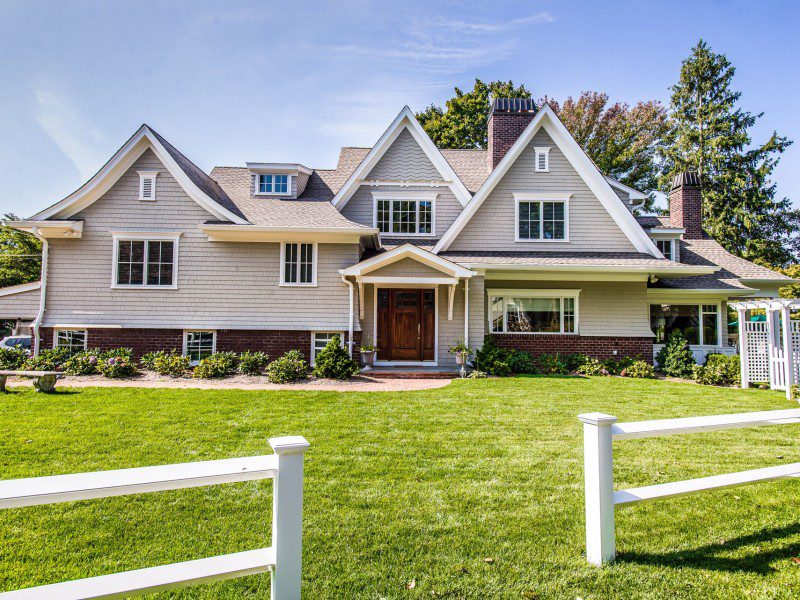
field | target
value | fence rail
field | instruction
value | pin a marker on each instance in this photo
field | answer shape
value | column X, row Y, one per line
column 601, row 430
column 282, row 559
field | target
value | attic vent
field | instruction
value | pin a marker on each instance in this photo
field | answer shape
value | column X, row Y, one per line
column 542, row 160
column 147, row 185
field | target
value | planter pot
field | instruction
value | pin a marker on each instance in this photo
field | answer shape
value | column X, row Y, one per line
column 461, row 358
column 368, row 358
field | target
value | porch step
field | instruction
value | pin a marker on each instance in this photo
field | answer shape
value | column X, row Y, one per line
column 410, row 374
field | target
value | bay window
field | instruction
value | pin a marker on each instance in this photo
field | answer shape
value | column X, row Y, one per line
column 533, row 311
column 699, row 323
column 404, row 214
column 145, row 260
column 542, row 217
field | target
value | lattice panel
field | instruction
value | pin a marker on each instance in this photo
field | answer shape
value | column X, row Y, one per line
column 757, row 352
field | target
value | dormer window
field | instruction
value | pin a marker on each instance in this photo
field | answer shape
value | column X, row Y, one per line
column 147, row 185
column 666, row 247
column 272, row 183
column 542, row 160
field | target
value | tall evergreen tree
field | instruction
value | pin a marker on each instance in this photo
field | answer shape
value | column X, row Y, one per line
column 20, row 255
column 709, row 134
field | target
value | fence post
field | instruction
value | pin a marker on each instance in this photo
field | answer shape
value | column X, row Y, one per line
column 598, row 465
column 788, row 349
column 287, row 516
column 743, row 355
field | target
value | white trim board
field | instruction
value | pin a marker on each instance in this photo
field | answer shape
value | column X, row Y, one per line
column 407, row 251
column 21, row 288
column 118, row 165
column 404, row 120
column 595, row 180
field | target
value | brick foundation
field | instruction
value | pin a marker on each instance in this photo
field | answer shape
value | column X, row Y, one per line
column 600, row 347
column 273, row 342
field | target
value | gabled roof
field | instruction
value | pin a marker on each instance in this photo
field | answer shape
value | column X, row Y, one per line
column 407, row 251
column 633, row 193
column 595, row 180
column 197, row 185
column 404, row 120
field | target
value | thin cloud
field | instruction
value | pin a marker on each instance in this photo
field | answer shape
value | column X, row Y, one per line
column 498, row 26
column 71, row 131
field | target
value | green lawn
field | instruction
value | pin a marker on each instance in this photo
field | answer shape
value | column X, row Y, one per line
column 409, row 486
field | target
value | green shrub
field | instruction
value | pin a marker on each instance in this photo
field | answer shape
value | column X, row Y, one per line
column 116, row 367
column 50, row 359
column 574, row 361
column 252, row 363
column 675, row 358
column 477, row 375
column 617, row 366
column 215, row 366
column 492, row 359
column 12, row 359
column 82, row 363
column 592, row 367
column 719, row 370
column 172, row 364
column 126, row 353
column 520, row 362
column 552, row 364
column 639, row 369
column 289, row 367
column 148, row 361
column 333, row 361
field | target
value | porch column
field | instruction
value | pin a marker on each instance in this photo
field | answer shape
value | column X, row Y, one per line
column 788, row 354
column 743, row 359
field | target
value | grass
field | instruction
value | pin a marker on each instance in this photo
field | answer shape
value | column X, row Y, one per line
column 411, row 486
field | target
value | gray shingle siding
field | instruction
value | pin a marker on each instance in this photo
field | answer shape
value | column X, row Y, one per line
column 591, row 227
column 220, row 285
column 23, row 305
column 404, row 159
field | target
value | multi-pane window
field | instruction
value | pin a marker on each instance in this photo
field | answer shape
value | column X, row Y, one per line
column 404, row 216
column 199, row 345
column 72, row 340
column 542, row 220
column 321, row 340
column 665, row 247
column 520, row 313
column 298, row 264
column 699, row 323
column 273, row 183
column 145, row 263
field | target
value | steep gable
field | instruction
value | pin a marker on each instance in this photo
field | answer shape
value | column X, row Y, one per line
column 404, row 160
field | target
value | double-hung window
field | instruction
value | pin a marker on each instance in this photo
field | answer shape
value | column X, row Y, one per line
column 298, row 263
column 542, row 217
column 699, row 323
column 74, row 340
column 404, row 214
column 198, row 345
column 533, row 311
column 665, row 247
column 145, row 260
column 272, row 183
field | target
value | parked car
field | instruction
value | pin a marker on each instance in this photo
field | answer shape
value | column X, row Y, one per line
column 16, row 341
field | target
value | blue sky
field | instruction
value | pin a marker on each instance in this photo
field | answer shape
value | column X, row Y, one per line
column 229, row 82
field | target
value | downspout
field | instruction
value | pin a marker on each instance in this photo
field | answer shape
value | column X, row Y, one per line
column 352, row 308
column 37, row 322
column 466, row 312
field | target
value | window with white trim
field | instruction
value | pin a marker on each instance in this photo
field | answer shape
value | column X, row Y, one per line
column 141, row 262
column 198, row 345
column 272, row 183
column 542, row 220
column 298, row 263
column 404, row 215
column 529, row 311
column 147, row 185
column 320, row 339
column 665, row 247
column 73, row 340
column 542, row 164
column 699, row 323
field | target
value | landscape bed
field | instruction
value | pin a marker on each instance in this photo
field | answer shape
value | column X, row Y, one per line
column 473, row 490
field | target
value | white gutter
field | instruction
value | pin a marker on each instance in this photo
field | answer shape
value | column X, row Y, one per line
column 352, row 308
column 43, row 293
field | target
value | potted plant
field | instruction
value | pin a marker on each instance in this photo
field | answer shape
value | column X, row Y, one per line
column 462, row 352
column 368, row 356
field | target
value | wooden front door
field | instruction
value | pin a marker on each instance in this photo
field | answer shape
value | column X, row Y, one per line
column 406, row 324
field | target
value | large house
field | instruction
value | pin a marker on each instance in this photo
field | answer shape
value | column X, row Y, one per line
column 403, row 245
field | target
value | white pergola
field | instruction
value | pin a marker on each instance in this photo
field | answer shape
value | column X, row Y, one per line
column 769, row 350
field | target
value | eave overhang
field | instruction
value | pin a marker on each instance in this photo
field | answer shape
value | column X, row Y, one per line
column 359, row 270
column 646, row 271
column 254, row 233
column 50, row 229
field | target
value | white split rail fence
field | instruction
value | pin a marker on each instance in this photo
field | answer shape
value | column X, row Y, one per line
column 601, row 430
column 282, row 559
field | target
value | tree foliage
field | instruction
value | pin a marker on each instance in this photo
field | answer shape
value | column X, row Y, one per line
column 20, row 255
column 623, row 141
column 709, row 134
column 463, row 124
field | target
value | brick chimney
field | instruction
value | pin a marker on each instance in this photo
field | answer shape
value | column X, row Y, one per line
column 686, row 205
column 508, row 118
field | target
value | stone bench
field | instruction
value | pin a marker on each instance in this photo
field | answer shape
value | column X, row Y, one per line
column 43, row 381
